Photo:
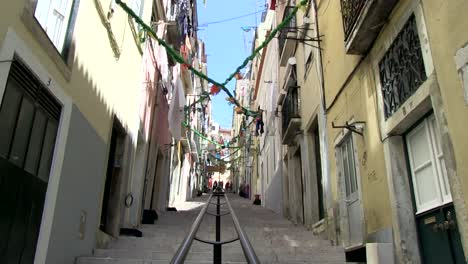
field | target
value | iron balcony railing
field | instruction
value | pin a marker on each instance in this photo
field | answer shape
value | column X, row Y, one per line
column 351, row 11
column 290, row 106
column 247, row 248
column 290, row 27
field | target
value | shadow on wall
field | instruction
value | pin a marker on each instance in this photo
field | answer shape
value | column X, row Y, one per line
column 79, row 202
column 274, row 192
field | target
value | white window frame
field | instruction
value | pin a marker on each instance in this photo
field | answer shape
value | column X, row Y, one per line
column 13, row 46
column 348, row 140
column 438, row 167
column 56, row 29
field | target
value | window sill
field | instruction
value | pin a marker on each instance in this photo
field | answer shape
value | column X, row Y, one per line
column 43, row 40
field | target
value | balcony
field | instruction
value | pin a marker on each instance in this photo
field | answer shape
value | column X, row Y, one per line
column 291, row 122
column 174, row 28
column 287, row 38
column 362, row 22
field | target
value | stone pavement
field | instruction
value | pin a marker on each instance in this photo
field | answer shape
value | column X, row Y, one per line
column 274, row 239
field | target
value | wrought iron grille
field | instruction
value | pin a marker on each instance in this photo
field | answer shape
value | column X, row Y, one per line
column 402, row 68
column 351, row 10
column 291, row 106
column 290, row 27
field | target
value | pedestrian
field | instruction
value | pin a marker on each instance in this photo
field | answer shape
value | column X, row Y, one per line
column 241, row 189
column 215, row 184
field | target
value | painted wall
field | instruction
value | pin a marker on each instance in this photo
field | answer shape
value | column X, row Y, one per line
column 356, row 102
column 77, row 212
column 446, row 25
column 99, row 84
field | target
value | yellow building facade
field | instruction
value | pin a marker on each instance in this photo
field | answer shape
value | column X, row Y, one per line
column 394, row 82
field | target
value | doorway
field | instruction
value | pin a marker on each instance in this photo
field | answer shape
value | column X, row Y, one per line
column 29, row 120
column 435, row 214
column 299, row 190
column 315, row 167
column 353, row 222
column 110, row 213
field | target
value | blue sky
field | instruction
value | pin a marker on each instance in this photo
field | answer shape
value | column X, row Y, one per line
column 227, row 45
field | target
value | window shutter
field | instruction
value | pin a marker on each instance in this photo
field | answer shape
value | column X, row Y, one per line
column 54, row 16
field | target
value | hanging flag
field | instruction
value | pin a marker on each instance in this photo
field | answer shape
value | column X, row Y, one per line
column 176, row 109
column 246, row 29
column 214, row 89
column 273, row 5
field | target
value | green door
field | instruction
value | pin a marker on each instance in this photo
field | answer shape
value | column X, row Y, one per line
column 28, row 128
column 439, row 239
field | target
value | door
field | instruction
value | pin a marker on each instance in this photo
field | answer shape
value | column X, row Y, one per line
column 318, row 173
column 435, row 215
column 352, row 202
column 110, row 211
column 29, row 118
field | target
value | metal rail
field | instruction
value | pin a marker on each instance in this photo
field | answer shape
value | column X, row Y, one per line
column 247, row 248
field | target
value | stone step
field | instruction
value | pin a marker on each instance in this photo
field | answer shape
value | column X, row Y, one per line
column 274, row 239
column 232, row 253
column 184, row 228
column 143, row 243
column 98, row 260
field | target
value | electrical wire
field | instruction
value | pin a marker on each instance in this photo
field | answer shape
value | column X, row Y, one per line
column 229, row 19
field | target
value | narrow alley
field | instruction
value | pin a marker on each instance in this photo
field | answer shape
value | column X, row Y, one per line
column 274, row 239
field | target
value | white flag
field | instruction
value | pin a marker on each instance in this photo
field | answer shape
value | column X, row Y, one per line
column 176, row 109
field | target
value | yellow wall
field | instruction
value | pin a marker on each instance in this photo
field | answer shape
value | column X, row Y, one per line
column 336, row 63
column 309, row 83
column 357, row 102
column 99, row 83
column 447, row 25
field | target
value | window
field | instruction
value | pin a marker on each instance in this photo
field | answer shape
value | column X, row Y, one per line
column 28, row 123
column 402, row 69
column 346, row 151
column 54, row 17
column 428, row 173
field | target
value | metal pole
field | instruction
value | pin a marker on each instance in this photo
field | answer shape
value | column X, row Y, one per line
column 184, row 248
column 217, row 247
